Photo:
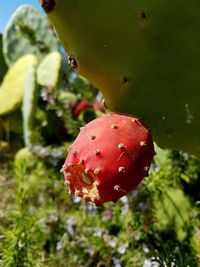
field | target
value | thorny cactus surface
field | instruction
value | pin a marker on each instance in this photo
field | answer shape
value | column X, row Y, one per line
column 143, row 56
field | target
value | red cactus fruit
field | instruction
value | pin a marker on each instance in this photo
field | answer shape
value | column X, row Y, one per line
column 80, row 107
column 98, row 106
column 110, row 157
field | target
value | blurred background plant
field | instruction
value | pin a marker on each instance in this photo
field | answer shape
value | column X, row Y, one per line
column 43, row 103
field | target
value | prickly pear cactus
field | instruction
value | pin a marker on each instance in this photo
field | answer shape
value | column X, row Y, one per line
column 13, row 122
column 13, row 85
column 3, row 67
column 28, row 32
column 48, row 72
column 143, row 56
column 29, row 106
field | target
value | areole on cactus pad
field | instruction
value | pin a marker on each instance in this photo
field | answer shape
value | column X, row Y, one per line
column 110, row 157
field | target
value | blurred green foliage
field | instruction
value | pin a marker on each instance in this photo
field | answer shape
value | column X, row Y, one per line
column 43, row 225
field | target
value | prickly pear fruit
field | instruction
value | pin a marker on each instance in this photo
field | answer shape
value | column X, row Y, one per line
column 80, row 107
column 98, row 106
column 143, row 56
column 110, row 157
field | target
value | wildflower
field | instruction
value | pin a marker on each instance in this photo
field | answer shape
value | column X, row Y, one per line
column 98, row 232
column 59, row 245
column 145, row 248
column 116, row 262
column 123, row 248
column 70, row 226
column 111, row 242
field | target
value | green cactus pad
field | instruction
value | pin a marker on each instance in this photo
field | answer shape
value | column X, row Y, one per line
column 29, row 107
column 12, row 88
column 28, row 32
column 3, row 67
column 144, row 57
column 14, row 122
column 48, row 72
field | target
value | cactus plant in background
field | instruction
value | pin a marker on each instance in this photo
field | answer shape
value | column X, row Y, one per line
column 13, row 85
column 144, row 58
column 29, row 107
column 28, row 32
column 3, row 67
column 49, row 70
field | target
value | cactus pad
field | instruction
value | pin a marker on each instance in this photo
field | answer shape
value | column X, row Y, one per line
column 28, row 32
column 3, row 67
column 12, row 88
column 48, row 72
column 29, row 106
column 143, row 56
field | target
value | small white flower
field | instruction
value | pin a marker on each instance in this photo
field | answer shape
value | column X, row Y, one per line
column 98, row 232
column 116, row 262
column 76, row 199
column 123, row 248
column 147, row 263
column 124, row 199
column 59, row 245
column 145, row 248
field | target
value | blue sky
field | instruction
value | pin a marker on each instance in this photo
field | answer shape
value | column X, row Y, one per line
column 7, row 7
